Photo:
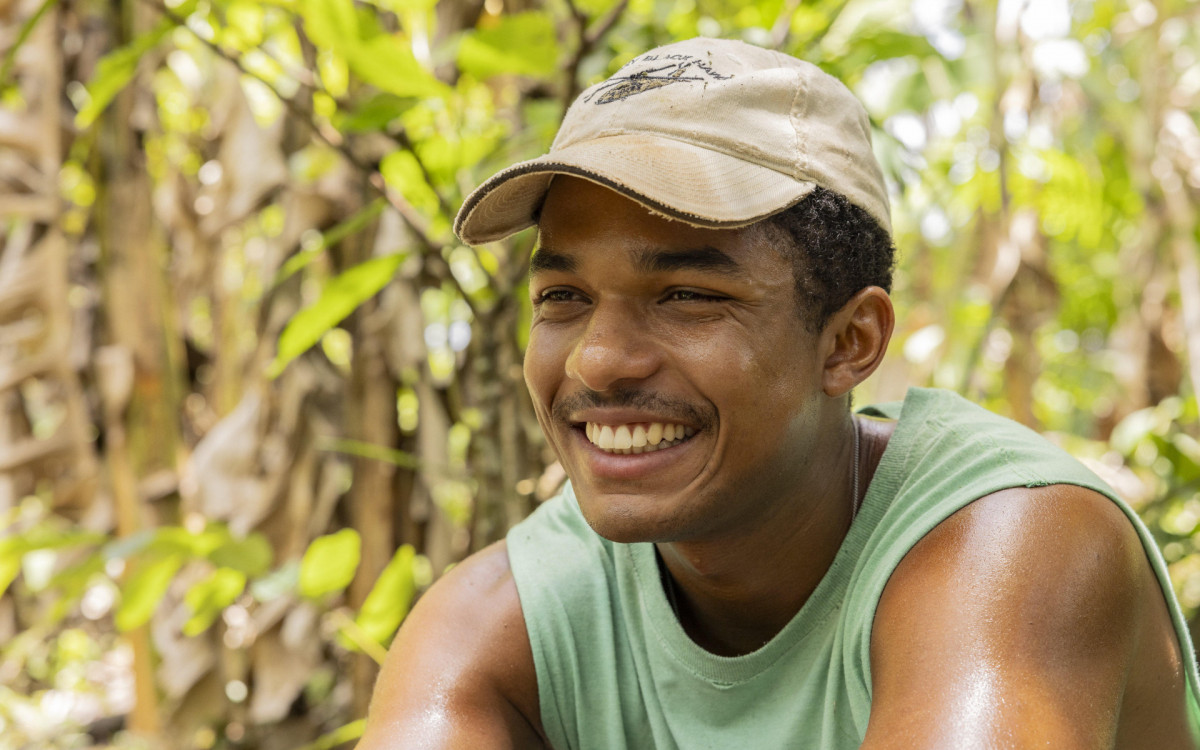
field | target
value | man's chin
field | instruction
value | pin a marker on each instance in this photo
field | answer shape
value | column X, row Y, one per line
column 626, row 519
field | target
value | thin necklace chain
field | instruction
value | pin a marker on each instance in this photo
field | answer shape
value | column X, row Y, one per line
column 666, row 574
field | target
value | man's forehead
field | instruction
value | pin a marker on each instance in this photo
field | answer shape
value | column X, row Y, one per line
column 583, row 221
column 645, row 259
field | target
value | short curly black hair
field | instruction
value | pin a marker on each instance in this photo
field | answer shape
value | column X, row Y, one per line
column 836, row 249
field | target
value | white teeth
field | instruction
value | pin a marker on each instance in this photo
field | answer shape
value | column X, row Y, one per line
column 637, row 438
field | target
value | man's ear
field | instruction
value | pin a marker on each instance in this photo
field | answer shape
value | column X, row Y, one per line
column 855, row 339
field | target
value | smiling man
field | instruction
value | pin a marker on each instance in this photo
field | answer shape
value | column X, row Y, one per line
column 738, row 560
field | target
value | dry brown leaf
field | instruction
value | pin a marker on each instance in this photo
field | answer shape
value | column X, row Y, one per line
column 284, row 660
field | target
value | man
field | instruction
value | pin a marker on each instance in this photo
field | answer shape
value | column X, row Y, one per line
column 739, row 561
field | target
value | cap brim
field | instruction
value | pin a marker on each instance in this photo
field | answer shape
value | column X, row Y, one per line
column 677, row 179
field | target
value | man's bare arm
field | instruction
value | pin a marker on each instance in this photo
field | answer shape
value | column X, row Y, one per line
column 1029, row 619
column 460, row 672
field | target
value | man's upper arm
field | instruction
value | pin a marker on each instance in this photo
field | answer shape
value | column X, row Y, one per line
column 1013, row 624
column 460, row 672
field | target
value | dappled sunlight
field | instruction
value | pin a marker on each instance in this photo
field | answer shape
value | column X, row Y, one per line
column 255, row 395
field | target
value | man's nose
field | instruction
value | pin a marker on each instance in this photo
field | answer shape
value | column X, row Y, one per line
column 615, row 347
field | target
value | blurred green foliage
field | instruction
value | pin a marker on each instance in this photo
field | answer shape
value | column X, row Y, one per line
column 1034, row 153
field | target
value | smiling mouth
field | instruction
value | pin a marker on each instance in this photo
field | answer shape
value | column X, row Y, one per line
column 636, row 438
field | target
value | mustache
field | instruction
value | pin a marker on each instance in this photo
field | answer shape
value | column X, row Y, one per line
column 632, row 398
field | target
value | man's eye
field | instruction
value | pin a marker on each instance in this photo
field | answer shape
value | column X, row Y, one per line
column 556, row 295
column 691, row 295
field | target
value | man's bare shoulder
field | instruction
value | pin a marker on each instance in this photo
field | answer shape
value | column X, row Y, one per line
column 460, row 672
column 1032, row 614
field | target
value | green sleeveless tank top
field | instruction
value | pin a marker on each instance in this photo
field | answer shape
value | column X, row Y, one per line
column 616, row 670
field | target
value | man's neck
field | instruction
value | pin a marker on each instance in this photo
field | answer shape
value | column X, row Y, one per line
column 733, row 595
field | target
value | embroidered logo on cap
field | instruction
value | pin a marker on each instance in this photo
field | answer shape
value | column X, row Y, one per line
column 678, row 69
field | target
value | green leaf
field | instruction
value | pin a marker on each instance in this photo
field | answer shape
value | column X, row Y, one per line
column 375, row 452
column 1135, row 428
column 339, row 736
column 116, row 69
column 50, row 537
column 884, row 45
column 330, row 23
column 329, row 563
column 176, row 540
column 71, row 582
column 340, row 297
column 374, row 114
column 524, row 44
column 343, row 229
column 807, row 23
column 251, row 556
column 848, row 62
column 595, row 8
column 26, row 29
column 401, row 171
column 14, row 548
column 126, row 547
column 402, row 7
column 10, row 566
column 245, row 23
column 277, row 583
column 209, row 597
column 388, row 63
column 383, row 60
column 388, row 603
column 446, row 154
column 144, row 590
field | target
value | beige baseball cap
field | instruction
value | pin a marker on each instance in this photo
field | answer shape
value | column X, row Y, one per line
column 712, row 132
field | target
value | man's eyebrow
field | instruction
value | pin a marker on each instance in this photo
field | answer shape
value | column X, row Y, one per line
column 546, row 259
column 705, row 258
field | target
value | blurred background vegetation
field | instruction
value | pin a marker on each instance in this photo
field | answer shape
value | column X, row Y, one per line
column 255, row 396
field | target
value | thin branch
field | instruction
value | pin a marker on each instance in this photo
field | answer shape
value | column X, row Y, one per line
column 580, row 17
column 416, row 225
column 1183, row 245
column 432, row 249
column 401, row 139
column 10, row 55
column 303, row 76
column 415, row 222
column 607, row 23
column 404, row 143
column 782, row 29
column 329, row 137
column 571, row 90
column 587, row 42
column 361, row 638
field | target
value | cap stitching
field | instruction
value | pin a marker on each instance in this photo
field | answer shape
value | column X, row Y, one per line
column 802, row 160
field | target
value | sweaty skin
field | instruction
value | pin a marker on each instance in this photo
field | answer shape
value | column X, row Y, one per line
column 1029, row 619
